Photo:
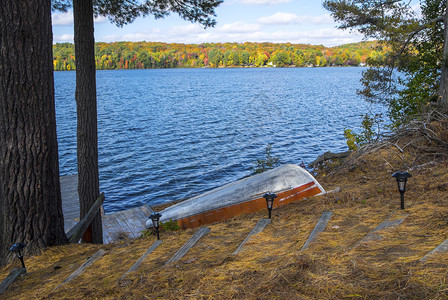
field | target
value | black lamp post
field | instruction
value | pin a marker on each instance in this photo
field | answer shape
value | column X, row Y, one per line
column 155, row 218
column 270, row 201
column 17, row 248
column 402, row 178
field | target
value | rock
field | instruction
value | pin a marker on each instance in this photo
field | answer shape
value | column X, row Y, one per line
column 192, row 260
column 335, row 190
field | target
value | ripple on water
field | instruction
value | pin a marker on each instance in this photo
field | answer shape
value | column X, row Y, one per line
column 166, row 135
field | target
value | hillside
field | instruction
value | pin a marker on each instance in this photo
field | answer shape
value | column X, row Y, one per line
column 271, row 265
column 152, row 55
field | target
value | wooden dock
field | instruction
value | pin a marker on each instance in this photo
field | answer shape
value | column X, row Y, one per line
column 117, row 226
column 70, row 200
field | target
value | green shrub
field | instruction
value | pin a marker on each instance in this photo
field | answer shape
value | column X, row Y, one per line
column 170, row 225
column 351, row 139
column 267, row 163
column 370, row 133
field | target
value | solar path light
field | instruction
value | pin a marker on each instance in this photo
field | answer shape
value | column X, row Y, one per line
column 270, row 201
column 17, row 248
column 402, row 178
column 155, row 218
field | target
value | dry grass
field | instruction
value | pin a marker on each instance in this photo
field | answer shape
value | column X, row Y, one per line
column 271, row 264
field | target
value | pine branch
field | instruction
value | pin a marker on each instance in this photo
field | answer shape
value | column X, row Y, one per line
column 420, row 28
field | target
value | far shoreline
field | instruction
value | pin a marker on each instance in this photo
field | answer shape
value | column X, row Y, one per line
column 230, row 67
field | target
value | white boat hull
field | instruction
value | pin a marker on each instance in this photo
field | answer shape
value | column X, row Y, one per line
column 289, row 182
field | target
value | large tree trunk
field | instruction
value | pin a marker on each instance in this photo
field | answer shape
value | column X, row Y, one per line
column 443, row 88
column 30, row 196
column 87, row 136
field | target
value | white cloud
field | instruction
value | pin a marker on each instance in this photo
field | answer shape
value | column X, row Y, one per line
column 63, row 19
column 322, row 19
column 262, row 2
column 187, row 29
column 109, row 38
column 137, row 37
column 100, row 19
column 154, row 35
column 63, row 38
column 326, row 36
column 238, row 27
column 281, row 18
column 66, row 19
column 417, row 9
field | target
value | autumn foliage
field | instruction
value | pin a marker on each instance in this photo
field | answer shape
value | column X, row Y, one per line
column 153, row 55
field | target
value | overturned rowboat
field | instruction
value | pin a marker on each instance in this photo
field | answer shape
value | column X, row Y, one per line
column 289, row 182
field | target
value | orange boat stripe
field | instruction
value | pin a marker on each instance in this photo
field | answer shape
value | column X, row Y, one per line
column 254, row 205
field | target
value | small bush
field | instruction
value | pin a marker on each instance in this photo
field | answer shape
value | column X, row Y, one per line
column 371, row 129
column 351, row 139
column 267, row 163
column 170, row 225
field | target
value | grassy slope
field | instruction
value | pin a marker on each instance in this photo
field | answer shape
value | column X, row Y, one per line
column 271, row 264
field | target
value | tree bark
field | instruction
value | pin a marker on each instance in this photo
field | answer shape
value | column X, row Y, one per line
column 30, row 196
column 328, row 156
column 442, row 100
column 87, row 132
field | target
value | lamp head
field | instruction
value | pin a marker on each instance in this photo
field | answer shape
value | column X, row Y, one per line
column 270, row 199
column 155, row 218
column 402, row 178
column 17, row 248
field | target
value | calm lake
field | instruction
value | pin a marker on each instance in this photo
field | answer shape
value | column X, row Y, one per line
column 170, row 134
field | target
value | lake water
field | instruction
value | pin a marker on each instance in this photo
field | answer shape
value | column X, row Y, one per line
column 170, row 134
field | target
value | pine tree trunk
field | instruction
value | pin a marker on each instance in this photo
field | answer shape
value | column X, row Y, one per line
column 30, row 197
column 87, row 134
column 443, row 88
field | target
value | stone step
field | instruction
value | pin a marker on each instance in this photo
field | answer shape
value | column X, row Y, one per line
column 320, row 226
column 256, row 230
column 188, row 245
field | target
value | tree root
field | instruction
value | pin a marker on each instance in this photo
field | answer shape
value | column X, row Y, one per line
column 426, row 138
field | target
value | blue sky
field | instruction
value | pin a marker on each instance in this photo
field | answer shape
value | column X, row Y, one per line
column 278, row 21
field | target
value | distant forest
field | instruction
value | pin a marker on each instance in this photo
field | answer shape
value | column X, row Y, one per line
column 153, row 55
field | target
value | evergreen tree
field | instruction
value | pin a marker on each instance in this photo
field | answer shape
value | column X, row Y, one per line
column 120, row 12
column 30, row 197
column 417, row 48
